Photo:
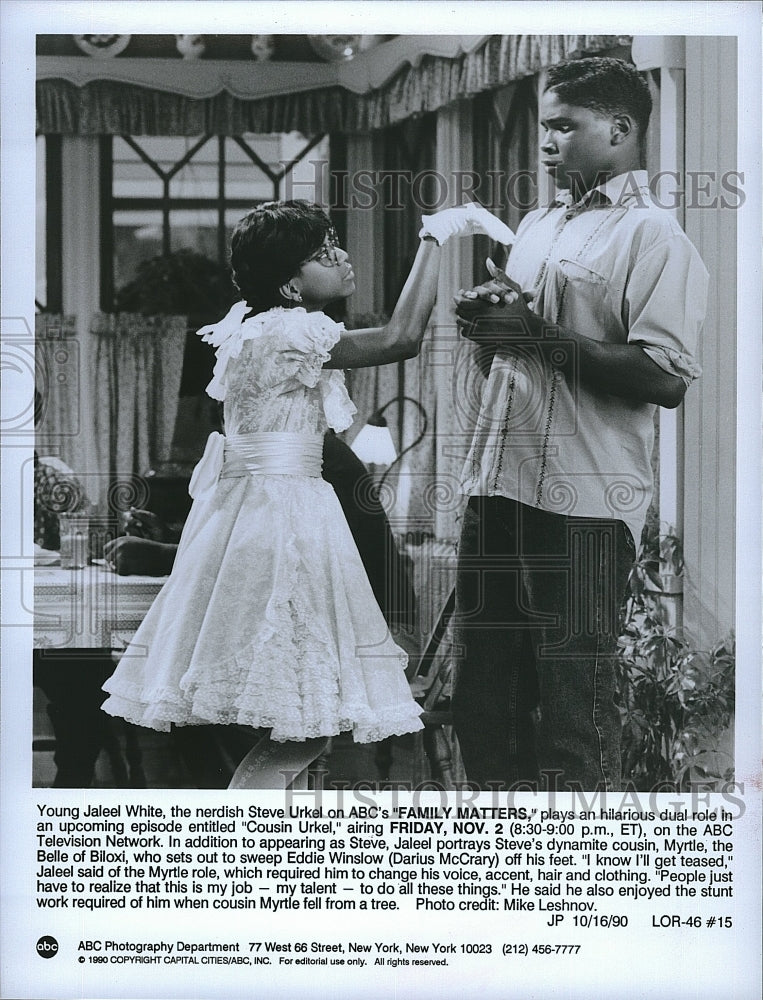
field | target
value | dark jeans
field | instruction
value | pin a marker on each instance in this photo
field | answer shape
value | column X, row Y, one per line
column 537, row 601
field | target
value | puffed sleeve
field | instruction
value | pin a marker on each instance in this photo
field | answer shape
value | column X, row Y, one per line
column 338, row 408
column 665, row 303
column 304, row 346
column 303, row 343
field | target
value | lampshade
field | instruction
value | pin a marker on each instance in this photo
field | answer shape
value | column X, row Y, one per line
column 374, row 444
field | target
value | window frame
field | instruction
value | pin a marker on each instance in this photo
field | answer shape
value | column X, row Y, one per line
column 167, row 204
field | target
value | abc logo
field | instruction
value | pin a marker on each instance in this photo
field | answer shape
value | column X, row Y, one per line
column 47, row 946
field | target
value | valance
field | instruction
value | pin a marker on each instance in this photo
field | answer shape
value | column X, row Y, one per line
column 110, row 107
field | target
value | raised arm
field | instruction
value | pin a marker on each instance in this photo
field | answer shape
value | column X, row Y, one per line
column 401, row 337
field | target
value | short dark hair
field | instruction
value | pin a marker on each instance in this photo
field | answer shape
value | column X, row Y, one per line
column 268, row 245
column 610, row 86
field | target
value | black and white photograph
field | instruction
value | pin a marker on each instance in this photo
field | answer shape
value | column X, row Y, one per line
column 381, row 500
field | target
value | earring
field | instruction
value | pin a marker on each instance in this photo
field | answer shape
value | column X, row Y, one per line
column 290, row 293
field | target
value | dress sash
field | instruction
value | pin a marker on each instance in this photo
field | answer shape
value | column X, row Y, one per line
column 266, row 453
column 273, row 453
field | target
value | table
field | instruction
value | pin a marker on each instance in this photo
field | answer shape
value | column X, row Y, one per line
column 89, row 608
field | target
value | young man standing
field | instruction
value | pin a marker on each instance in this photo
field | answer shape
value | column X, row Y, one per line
column 559, row 472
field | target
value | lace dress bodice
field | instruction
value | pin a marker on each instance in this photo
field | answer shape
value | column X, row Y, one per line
column 270, row 374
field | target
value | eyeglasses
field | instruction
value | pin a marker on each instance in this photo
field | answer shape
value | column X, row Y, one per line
column 326, row 255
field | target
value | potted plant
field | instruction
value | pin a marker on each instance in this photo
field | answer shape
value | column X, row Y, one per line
column 677, row 702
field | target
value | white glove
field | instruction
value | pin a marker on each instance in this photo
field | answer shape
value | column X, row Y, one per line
column 465, row 221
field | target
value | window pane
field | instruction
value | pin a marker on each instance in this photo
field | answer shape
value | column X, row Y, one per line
column 132, row 177
column 41, row 277
column 307, row 179
column 194, row 229
column 244, row 179
column 138, row 231
column 137, row 237
column 232, row 215
column 199, row 178
column 167, row 150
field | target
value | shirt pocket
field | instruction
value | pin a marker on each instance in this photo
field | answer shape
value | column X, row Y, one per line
column 584, row 301
column 575, row 271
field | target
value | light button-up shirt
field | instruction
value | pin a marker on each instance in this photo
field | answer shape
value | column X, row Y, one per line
column 618, row 269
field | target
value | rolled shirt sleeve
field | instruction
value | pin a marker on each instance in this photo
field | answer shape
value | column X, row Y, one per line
column 665, row 302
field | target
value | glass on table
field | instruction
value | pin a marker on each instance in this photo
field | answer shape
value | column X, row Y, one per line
column 74, row 531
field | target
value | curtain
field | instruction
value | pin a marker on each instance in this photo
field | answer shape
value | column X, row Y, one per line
column 110, row 107
column 408, row 147
column 506, row 146
column 58, row 371
column 370, row 388
column 136, row 370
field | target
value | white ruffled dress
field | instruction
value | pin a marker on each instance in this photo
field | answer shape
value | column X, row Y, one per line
column 268, row 618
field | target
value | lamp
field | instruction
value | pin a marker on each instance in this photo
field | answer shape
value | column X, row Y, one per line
column 374, row 444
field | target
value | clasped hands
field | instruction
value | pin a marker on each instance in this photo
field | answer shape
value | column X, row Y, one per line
column 496, row 313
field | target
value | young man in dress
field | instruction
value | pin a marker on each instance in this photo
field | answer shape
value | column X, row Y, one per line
column 599, row 327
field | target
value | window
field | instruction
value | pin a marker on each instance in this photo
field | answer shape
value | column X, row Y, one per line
column 164, row 193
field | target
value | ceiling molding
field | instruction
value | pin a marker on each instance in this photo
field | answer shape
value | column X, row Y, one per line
column 252, row 80
column 374, row 68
